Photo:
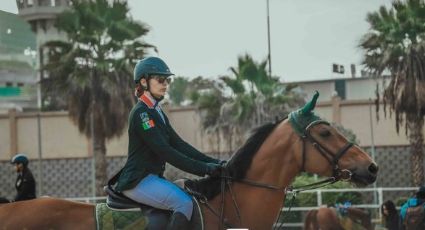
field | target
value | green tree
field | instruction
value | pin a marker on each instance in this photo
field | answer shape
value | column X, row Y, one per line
column 256, row 98
column 92, row 71
column 395, row 44
column 265, row 98
column 178, row 90
column 245, row 100
column 207, row 96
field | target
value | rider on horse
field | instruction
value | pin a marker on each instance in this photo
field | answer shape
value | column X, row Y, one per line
column 25, row 182
column 152, row 143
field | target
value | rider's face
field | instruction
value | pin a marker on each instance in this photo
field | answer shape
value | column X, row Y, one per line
column 158, row 85
column 19, row 167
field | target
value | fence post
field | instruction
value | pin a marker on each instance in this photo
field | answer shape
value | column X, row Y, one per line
column 319, row 197
column 13, row 132
column 336, row 109
column 380, row 200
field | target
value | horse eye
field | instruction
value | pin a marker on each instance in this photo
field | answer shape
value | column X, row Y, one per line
column 325, row 133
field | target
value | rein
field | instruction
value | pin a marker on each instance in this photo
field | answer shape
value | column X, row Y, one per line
column 338, row 175
column 226, row 181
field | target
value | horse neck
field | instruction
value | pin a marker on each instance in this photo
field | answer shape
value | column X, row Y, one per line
column 274, row 164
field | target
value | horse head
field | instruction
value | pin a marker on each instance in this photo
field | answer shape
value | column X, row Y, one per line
column 327, row 152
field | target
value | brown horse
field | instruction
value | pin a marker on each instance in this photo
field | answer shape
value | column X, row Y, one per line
column 259, row 174
column 328, row 219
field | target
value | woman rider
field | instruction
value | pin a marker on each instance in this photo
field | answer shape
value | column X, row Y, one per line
column 25, row 182
column 152, row 143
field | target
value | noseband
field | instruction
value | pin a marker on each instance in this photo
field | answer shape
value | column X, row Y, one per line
column 332, row 158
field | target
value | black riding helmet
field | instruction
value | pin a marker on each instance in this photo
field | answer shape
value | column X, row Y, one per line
column 150, row 66
column 20, row 159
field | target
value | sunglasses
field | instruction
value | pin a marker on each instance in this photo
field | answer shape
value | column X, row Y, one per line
column 162, row 79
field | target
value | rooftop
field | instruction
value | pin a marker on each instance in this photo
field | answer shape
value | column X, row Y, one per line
column 15, row 34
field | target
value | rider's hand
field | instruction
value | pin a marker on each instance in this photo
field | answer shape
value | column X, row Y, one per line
column 213, row 170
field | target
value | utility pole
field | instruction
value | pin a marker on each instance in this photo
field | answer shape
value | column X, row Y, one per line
column 268, row 39
column 372, row 148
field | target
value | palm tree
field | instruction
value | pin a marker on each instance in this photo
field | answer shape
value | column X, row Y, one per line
column 395, row 44
column 92, row 71
column 264, row 99
column 247, row 99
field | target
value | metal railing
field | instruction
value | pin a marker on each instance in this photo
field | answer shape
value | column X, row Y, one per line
column 374, row 206
column 91, row 200
column 319, row 197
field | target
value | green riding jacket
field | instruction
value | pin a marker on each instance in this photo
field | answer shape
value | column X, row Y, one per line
column 152, row 143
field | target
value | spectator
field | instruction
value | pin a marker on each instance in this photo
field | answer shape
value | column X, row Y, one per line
column 412, row 212
column 390, row 217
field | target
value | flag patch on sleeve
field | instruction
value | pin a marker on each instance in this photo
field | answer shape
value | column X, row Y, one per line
column 146, row 122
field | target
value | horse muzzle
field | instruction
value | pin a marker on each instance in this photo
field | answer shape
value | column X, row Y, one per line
column 365, row 176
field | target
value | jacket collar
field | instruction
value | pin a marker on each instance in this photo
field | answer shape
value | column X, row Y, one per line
column 148, row 100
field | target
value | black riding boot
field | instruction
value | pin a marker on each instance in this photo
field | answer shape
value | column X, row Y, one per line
column 178, row 221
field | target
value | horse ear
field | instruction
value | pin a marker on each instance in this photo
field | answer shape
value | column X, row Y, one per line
column 311, row 104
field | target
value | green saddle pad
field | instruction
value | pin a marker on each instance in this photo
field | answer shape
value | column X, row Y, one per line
column 109, row 219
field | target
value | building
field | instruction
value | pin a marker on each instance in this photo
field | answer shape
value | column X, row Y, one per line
column 349, row 89
column 17, row 64
column 41, row 16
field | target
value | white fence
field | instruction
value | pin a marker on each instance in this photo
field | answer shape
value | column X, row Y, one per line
column 378, row 194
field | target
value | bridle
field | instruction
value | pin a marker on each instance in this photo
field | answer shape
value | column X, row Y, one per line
column 333, row 159
column 338, row 174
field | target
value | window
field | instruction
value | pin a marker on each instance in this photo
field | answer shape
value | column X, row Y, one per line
column 340, row 88
column 20, row 4
column 33, row 26
column 30, row 2
column 9, row 84
column 43, row 24
column 20, row 84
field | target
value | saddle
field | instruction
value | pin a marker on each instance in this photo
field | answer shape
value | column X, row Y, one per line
column 157, row 218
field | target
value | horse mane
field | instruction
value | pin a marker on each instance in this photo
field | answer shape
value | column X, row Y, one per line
column 238, row 164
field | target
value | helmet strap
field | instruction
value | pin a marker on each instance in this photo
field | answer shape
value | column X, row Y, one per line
column 147, row 88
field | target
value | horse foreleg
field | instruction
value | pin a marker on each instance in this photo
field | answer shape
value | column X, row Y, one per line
column 310, row 222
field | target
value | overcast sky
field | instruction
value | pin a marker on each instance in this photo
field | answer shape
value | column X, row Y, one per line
column 205, row 37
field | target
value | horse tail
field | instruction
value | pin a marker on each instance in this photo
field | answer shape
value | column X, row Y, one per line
column 310, row 222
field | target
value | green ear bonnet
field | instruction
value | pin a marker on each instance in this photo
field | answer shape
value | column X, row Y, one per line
column 304, row 116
